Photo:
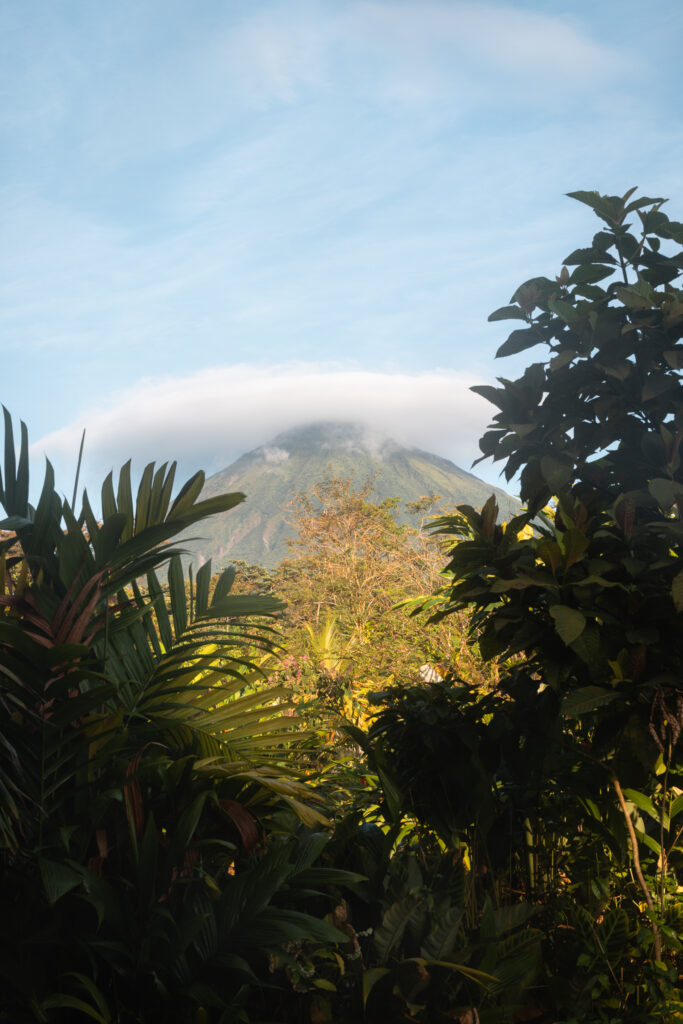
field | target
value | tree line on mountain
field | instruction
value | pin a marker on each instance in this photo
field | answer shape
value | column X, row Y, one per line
column 418, row 792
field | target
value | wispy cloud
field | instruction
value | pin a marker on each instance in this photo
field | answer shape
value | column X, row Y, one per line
column 209, row 418
column 413, row 52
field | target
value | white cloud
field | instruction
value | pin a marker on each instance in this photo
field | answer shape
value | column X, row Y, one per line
column 208, row 419
column 409, row 52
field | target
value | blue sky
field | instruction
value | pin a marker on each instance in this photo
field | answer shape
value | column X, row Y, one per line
column 220, row 219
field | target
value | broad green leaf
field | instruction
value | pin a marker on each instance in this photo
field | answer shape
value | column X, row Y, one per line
column 569, row 622
column 665, row 492
column 586, row 699
column 370, row 979
column 507, row 313
column 557, row 472
column 394, row 923
column 657, row 384
column 635, row 298
column 638, row 204
column 565, row 311
column 589, row 273
column 674, row 357
column 644, row 803
column 520, row 340
column 574, row 544
column 58, row 879
column 608, row 208
column 648, row 841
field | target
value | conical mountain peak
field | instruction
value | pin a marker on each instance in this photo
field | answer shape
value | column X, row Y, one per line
column 296, row 459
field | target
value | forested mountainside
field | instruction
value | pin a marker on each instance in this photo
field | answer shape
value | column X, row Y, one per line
column 272, row 475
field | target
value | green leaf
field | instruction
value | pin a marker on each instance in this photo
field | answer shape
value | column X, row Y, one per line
column 61, row 1000
column 223, row 585
column 569, row 622
column 638, row 204
column 124, row 501
column 58, row 879
column 674, row 357
column 665, row 492
column 635, row 297
column 657, row 384
column 644, row 803
column 565, row 311
column 574, row 544
column 176, row 586
column 203, row 580
column 142, row 502
column 394, row 923
column 590, row 273
column 556, row 472
column 370, row 979
column 507, row 313
column 608, row 208
column 585, row 700
column 520, row 340
column 187, row 495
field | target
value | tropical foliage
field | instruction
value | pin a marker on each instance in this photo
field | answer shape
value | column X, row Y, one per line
column 589, row 605
column 150, row 858
column 478, row 820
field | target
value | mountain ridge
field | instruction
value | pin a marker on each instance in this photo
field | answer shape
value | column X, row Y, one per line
column 272, row 474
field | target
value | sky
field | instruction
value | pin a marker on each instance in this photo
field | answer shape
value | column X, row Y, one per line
column 220, row 220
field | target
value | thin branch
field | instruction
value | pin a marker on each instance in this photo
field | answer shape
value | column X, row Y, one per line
column 636, row 866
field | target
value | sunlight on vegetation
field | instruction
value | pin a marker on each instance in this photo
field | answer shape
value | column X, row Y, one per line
column 417, row 773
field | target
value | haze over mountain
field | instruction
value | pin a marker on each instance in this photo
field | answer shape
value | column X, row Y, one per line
column 273, row 474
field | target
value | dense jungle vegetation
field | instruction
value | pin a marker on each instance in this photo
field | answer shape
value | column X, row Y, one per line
column 442, row 784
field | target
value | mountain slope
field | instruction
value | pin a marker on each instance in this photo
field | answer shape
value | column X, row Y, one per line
column 272, row 475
